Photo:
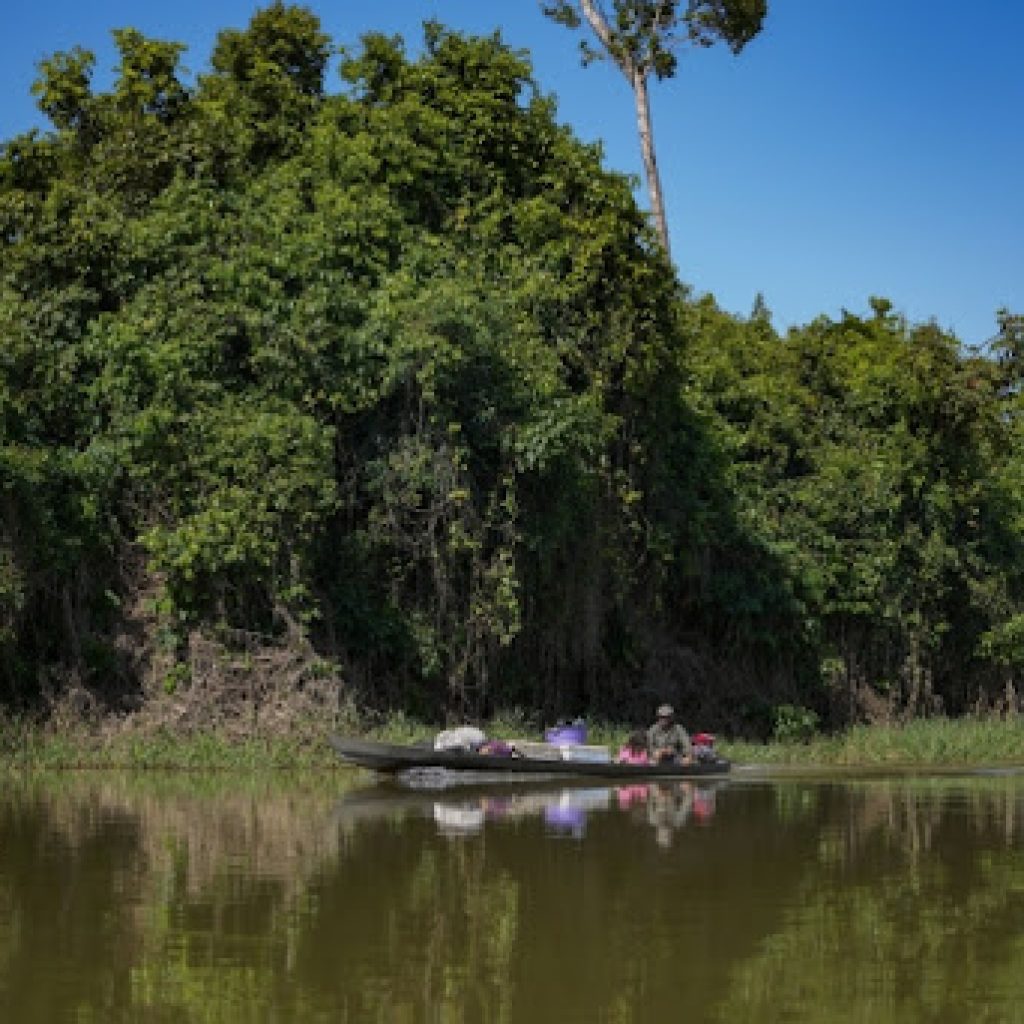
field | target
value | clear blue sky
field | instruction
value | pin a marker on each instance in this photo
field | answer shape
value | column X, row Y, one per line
column 862, row 148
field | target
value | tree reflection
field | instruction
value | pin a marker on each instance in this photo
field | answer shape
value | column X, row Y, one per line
column 913, row 912
column 884, row 900
column 140, row 895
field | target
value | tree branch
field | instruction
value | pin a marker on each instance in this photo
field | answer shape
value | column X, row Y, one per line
column 599, row 23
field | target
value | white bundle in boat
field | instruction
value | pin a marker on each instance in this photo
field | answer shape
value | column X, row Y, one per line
column 462, row 738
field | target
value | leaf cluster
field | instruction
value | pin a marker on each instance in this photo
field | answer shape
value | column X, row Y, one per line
column 643, row 37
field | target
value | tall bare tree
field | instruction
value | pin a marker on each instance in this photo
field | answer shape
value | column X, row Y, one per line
column 642, row 38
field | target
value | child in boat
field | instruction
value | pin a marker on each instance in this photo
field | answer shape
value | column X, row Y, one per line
column 634, row 751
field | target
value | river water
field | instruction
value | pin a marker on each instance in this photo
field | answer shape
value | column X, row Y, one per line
column 275, row 899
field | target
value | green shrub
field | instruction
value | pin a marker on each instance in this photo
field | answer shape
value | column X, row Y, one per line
column 793, row 723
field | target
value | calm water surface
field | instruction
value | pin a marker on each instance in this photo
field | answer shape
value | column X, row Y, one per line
column 175, row 899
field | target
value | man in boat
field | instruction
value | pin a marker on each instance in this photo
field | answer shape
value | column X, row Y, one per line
column 667, row 740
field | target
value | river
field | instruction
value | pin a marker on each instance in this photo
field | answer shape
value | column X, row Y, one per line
column 180, row 898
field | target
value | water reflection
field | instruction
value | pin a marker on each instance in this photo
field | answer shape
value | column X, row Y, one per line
column 239, row 900
column 667, row 807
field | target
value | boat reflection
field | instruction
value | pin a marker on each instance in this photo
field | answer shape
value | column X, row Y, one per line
column 564, row 811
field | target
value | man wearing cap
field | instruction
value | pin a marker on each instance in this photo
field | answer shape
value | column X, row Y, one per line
column 667, row 740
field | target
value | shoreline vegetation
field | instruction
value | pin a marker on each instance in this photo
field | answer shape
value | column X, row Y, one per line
column 938, row 743
column 321, row 393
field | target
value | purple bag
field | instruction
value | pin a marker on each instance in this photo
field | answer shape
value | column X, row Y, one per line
column 497, row 748
column 567, row 735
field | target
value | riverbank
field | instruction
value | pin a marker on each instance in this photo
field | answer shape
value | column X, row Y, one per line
column 945, row 742
column 950, row 743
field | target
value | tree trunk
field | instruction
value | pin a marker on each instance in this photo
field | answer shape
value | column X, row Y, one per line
column 643, row 123
column 636, row 73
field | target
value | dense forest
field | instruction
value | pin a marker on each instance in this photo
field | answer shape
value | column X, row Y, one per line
column 388, row 389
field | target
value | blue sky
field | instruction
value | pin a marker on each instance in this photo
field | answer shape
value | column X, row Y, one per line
column 853, row 149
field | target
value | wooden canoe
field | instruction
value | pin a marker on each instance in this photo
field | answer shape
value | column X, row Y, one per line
column 391, row 759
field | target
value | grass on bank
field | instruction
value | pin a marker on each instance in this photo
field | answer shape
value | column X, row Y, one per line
column 963, row 742
column 42, row 748
column 948, row 742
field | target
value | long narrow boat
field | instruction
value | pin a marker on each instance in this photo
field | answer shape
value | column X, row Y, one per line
column 391, row 759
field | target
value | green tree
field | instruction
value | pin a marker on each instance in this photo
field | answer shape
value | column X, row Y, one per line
column 376, row 370
column 873, row 456
column 399, row 378
column 641, row 37
column 63, row 90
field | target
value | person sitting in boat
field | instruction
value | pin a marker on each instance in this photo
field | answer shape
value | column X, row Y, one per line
column 667, row 740
column 634, row 750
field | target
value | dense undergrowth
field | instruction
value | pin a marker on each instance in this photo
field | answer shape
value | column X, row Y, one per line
column 941, row 743
column 387, row 397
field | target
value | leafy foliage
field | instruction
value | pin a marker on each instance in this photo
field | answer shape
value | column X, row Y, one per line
column 401, row 373
column 873, row 458
column 643, row 35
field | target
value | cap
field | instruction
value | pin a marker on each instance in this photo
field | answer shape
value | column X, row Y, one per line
column 665, row 711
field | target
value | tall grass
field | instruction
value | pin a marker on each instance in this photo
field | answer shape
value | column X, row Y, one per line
column 959, row 742
column 39, row 748
column 936, row 742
